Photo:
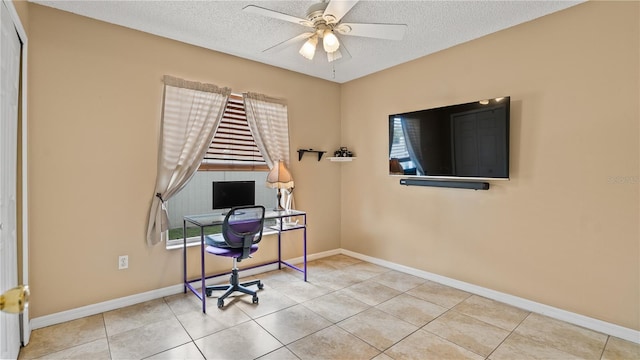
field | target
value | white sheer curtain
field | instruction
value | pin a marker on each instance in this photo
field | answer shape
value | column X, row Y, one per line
column 190, row 117
column 411, row 130
column 269, row 124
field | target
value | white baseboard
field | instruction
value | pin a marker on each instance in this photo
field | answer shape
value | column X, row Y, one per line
column 550, row 311
column 74, row 314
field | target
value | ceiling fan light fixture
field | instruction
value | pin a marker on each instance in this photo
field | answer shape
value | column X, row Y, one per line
column 333, row 56
column 330, row 41
column 308, row 49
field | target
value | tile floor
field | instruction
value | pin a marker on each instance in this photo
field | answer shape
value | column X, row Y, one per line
column 348, row 309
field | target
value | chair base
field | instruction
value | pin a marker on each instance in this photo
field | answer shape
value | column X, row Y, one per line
column 234, row 286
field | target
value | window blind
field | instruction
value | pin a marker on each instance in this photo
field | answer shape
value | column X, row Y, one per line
column 233, row 146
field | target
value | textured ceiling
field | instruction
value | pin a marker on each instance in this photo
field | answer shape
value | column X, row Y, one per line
column 224, row 27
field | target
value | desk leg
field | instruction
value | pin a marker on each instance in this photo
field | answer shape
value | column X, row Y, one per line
column 184, row 255
column 280, row 247
column 204, row 286
column 304, row 248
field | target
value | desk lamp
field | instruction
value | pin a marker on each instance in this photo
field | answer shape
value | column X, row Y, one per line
column 279, row 178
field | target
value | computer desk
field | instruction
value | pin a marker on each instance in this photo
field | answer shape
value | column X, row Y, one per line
column 205, row 220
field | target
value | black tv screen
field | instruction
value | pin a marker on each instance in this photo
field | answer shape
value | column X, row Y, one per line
column 228, row 194
column 458, row 141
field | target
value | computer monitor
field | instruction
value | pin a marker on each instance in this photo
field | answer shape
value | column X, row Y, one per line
column 228, row 194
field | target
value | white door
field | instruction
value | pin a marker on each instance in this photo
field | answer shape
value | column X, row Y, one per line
column 9, row 72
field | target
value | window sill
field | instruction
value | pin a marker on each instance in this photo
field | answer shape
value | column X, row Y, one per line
column 174, row 244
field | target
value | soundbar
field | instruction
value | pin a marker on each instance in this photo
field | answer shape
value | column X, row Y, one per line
column 475, row 185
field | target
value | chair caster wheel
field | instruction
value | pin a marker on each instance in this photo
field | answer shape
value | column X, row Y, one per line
column 208, row 292
column 260, row 286
column 255, row 299
column 220, row 303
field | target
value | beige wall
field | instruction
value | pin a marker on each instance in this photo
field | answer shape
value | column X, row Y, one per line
column 564, row 230
column 563, row 235
column 94, row 107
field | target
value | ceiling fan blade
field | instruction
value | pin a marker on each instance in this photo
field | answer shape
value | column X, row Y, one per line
column 378, row 31
column 276, row 15
column 337, row 9
column 287, row 43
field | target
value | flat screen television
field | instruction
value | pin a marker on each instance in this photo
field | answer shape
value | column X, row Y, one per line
column 228, row 194
column 464, row 141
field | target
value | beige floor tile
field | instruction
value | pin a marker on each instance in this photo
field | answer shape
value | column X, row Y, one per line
column 188, row 351
column 245, row 341
column 270, row 301
column 618, row 349
column 335, row 281
column 377, row 328
column 365, row 270
column 492, row 312
column 382, row 356
column 284, row 275
column 520, row 347
column 569, row 338
column 336, row 306
column 411, row 309
column 281, row 354
column 332, row 343
column 439, row 294
column 299, row 290
column 135, row 316
column 183, row 303
column 321, row 266
column 423, row 345
column 148, row 340
column 470, row 333
column 370, row 292
column 292, row 323
column 95, row 350
column 199, row 324
column 63, row 336
column 399, row 280
column 340, row 261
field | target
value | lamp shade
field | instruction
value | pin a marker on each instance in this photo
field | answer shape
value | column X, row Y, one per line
column 330, row 41
column 308, row 49
column 279, row 177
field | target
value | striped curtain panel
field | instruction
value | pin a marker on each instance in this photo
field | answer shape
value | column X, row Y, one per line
column 190, row 117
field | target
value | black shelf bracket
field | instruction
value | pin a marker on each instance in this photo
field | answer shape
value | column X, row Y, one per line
column 302, row 151
column 475, row 185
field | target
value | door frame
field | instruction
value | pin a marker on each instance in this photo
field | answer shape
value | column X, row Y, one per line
column 25, row 323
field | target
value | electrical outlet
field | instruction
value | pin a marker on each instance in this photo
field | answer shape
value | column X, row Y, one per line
column 123, row 262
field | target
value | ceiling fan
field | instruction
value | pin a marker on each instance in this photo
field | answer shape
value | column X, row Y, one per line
column 324, row 20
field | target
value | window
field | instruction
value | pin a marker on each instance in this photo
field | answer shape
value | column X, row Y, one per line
column 399, row 146
column 233, row 147
column 232, row 155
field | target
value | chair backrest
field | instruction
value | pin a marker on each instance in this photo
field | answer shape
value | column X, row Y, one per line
column 242, row 227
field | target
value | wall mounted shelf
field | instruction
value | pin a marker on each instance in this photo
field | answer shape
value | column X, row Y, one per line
column 341, row 159
column 303, row 151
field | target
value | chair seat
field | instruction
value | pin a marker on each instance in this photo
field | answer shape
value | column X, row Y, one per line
column 217, row 246
column 229, row 252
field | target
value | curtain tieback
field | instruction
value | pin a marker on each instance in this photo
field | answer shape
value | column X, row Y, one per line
column 159, row 196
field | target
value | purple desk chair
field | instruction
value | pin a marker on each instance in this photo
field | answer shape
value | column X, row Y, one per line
column 241, row 233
